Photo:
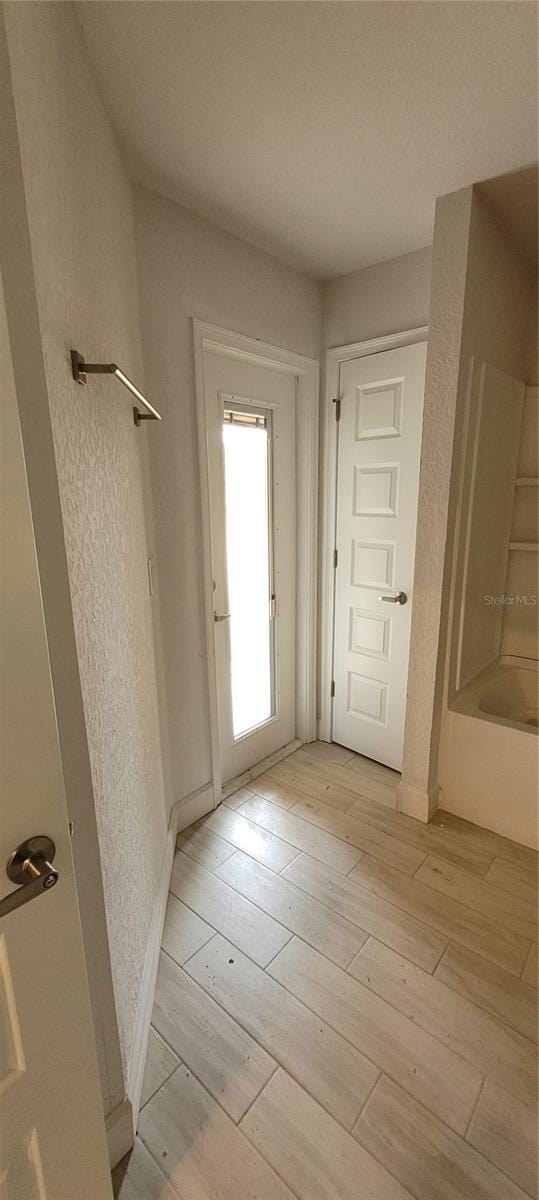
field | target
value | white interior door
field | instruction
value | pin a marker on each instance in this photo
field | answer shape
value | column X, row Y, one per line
column 52, row 1144
column 379, row 443
column 251, row 424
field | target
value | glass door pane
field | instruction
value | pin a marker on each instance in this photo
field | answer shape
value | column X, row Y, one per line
column 247, row 460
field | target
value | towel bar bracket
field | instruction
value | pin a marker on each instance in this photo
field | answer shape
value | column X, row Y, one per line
column 81, row 369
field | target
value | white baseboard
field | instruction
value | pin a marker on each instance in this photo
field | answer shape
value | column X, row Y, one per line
column 265, row 765
column 193, row 807
column 417, row 803
column 119, row 1130
column 183, row 814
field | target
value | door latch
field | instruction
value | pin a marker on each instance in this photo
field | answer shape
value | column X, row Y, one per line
column 400, row 598
column 29, row 866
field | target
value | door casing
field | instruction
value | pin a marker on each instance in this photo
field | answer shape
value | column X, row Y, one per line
column 306, row 370
column 334, row 359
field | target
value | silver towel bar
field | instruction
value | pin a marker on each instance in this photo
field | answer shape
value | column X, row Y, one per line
column 81, row 369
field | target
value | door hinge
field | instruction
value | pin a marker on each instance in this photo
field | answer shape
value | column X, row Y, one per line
column 337, row 403
column 335, row 557
column 332, row 689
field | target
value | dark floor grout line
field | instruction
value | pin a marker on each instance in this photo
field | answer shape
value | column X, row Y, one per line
column 205, row 1087
column 318, row 1017
column 272, row 1054
column 526, row 964
column 185, row 850
column 346, row 971
column 459, row 1053
column 362, row 854
column 268, row 1162
column 169, row 1076
column 442, row 955
column 497, row 921
column 370, row 938
column 452, row 834
column 397, row 834
column 443, row 896
column 502, row 887
column 490, row 886
column 302, row 893
column 290, row 864
column 278, row 756
column 420, row 865
column 277, row 1067
column 355, row 776
column 392, row 904
column 474, row 1108
column 236, row 1124
column 369, row 1097
column 310, row 824
column 252, row 821
column 377, row 1156
column 166, row 1177
column 231, row 888
column 272, row 960
column 190, row 956
column 398, row 1083
column 218, row 932
column 480, row 1071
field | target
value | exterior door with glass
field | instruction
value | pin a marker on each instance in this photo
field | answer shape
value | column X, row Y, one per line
column 251, row 424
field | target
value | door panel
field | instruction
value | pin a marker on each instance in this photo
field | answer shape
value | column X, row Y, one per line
column 52, row 1144
column 253, row 529
column 379, row 442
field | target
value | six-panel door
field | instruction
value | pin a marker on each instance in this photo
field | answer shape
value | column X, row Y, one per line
column 379, row 443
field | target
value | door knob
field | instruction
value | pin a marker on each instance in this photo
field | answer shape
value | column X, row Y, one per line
column 400, row 598
column 221, row 617
column 29, row 866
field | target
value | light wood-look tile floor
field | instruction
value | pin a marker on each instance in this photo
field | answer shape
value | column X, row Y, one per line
column 346, row 1006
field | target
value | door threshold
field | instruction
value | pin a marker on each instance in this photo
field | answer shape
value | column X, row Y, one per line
column 259, row 768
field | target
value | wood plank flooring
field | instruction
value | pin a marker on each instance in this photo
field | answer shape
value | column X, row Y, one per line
column 346, row 1006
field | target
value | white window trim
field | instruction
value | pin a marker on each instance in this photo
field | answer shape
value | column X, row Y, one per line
column 306, row 371
column 334, row 358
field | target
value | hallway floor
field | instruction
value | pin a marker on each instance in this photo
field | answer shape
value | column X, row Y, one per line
column 346, row 1006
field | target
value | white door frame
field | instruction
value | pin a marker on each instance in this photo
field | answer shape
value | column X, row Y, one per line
column 334, row 358
column 249, row 350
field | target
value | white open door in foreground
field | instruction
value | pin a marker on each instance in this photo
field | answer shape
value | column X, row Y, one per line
column 52, row 1135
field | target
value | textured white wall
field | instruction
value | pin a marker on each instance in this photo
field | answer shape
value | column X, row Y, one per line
column 386, row 298
column 190, row 268
column 449, row 259
column 81, row 228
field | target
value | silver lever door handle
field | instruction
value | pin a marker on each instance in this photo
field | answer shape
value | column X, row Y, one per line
column 221, row 617
column 400, row 598
column 29, row 866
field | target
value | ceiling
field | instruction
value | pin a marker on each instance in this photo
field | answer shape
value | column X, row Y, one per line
column 321, row 132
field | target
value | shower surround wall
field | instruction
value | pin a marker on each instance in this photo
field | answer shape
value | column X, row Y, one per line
column 487, row 772
column 520, row 632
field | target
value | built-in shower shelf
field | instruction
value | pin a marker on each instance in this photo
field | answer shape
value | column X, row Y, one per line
column 532, row 546
column 528, row 481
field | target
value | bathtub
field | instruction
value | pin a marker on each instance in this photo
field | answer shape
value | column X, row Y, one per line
column 508, row 694
column 488, row 767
